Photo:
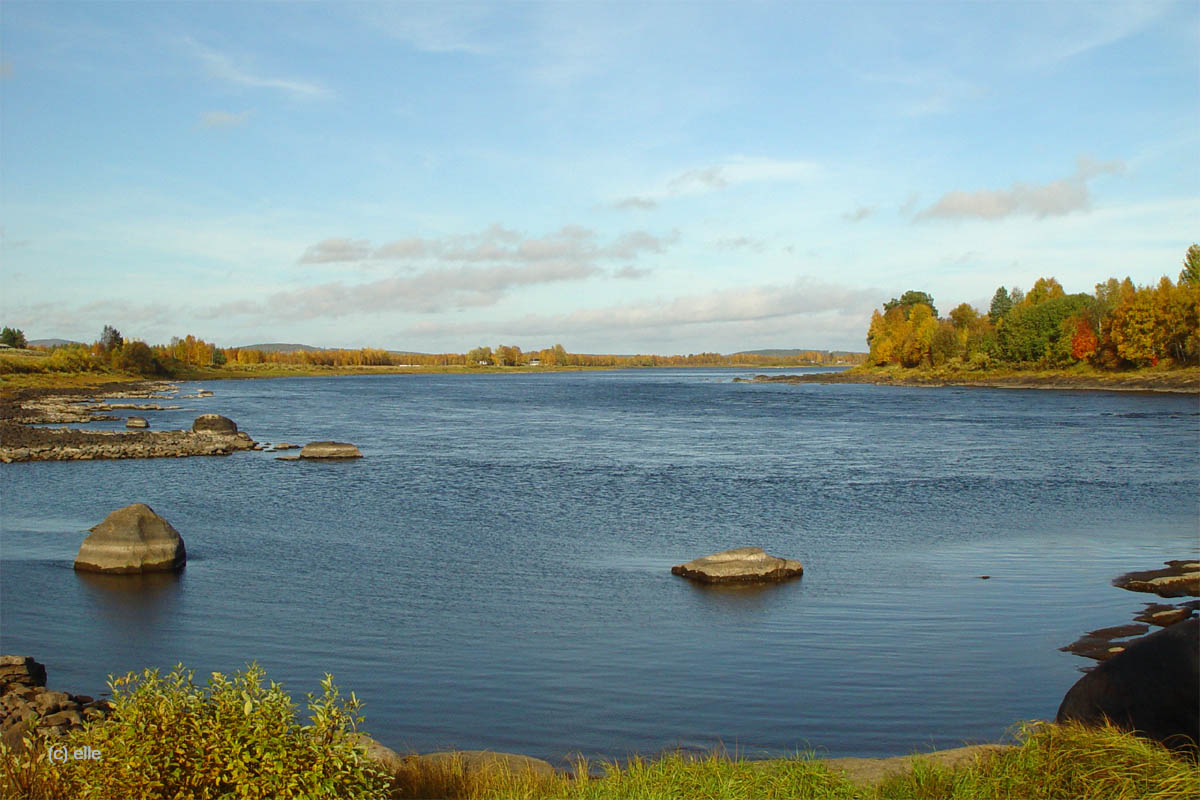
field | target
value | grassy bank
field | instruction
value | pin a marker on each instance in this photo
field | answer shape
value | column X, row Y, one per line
column 1080, row 376
column 237, row 737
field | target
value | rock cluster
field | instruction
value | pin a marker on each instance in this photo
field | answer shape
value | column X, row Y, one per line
column 130, row 540
column 1152, row 687
column 1178, row 579
column 742, row 565
column 42, row 444
column 27, row 705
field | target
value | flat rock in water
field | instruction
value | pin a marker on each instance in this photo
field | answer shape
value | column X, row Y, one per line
column 287, row 446
column 742, row 565
column 330, row 450
column 1178, row 579
column 137, row 422
column 132, row 539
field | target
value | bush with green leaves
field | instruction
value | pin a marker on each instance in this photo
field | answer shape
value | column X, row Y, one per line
column 168, row 737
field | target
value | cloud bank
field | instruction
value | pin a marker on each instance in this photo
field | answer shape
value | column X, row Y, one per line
column 1056, row 198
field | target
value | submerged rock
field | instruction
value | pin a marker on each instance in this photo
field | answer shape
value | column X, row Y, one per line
column 132, row 539
column 1153, row 687
column 330, row 450
column 742, row 565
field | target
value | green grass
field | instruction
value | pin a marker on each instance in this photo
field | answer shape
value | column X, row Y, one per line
column 239, row 737
column 1052, row 762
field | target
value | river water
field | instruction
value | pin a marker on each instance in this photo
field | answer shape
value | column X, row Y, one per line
column 494, row 574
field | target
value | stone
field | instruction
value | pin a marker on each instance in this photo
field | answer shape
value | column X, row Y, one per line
column 132, row 539
column 287, row 446
column 137, row 422
column 330, row 450
column 14, row 738
column 214, row 423
column 386, row 757
column 49, row 702
column 68, row 718
column 23, row 670
column 1180, row 578
column 742, row 565
column 1153, row 688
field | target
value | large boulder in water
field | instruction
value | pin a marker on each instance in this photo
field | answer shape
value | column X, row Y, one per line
column 132, row 539
column 1152, row 688
column 214, row 423
column 330, row 450
column 743, row 565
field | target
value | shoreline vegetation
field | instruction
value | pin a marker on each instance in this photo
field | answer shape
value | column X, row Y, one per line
column 167, row 736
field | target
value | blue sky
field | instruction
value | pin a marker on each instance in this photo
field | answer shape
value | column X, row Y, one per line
column 641, row 177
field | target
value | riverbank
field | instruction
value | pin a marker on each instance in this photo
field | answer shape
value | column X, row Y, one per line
column 1182, row 380
column 23, row 411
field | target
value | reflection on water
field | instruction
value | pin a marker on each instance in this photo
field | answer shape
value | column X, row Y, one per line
column 137, row 604
column 744, row 598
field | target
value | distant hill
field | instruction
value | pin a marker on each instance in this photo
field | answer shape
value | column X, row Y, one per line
column 282, row 347
column 51, row 342
column 792, row 353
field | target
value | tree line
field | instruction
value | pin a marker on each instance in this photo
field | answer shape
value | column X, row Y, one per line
column 1119, row 326
column 112, row 351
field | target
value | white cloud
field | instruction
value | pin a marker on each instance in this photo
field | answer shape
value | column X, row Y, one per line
column 804, row 297
column 717, row 177
column 224, row 119
column 1056, row 198
column 638, row 203
column 336, row 250
column 433, row 27
column 859, row 213
column 495, row 244
column 222, row 66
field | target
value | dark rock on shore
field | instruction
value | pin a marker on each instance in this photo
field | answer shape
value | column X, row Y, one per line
column 1102, row 644
column 26, row 705
column 1153, row 687
column 132, row 539
column 742, row 565
column 330, row 450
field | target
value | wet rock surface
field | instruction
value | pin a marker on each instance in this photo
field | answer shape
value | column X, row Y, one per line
column 1177, row 579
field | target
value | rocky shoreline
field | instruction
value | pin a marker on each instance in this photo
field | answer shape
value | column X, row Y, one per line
column 21, row 413
column 1184, row 383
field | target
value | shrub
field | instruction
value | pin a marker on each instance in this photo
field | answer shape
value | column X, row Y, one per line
column 234, row 738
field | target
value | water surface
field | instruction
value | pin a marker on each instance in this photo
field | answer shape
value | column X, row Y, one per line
column 495, row 573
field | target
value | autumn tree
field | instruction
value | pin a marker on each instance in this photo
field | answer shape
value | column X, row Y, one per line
column 909, row 299
column 479, row 355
